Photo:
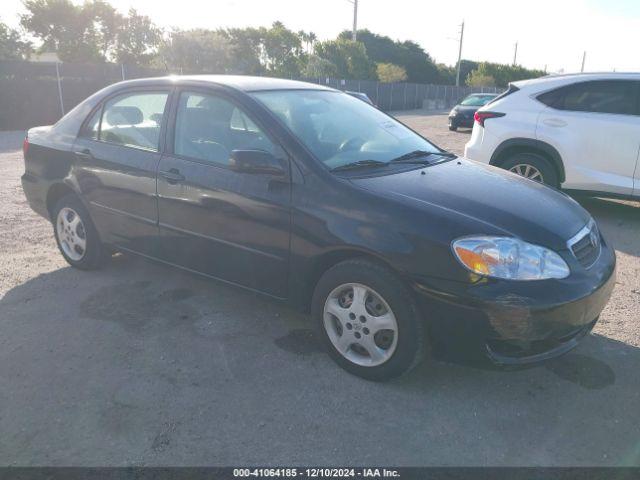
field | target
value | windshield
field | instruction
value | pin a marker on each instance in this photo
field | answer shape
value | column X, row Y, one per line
column 340, row 129
column 477, row 100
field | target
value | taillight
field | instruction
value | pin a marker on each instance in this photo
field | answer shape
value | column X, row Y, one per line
column 25, row 146
column 480, row 117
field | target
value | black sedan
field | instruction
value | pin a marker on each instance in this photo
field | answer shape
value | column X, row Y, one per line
column 311, row 196
column 462, row 114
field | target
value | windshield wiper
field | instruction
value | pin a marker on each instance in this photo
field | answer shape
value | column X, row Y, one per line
column 358, row 164
column 417, row 156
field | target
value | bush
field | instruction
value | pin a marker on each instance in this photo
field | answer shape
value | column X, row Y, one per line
column 388, row 72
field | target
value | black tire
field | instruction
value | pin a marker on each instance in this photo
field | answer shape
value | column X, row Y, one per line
column 539, row 162
column 453, row 128
column 95, row 253
column 411, row 343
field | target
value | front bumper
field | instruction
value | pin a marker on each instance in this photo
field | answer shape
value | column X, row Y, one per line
column 516, row 323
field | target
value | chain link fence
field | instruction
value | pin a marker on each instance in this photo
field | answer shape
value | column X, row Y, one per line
column 34, row 93
column 404, row 95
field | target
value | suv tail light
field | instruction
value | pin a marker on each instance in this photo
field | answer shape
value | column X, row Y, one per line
column 25, row 146
column 480, row 117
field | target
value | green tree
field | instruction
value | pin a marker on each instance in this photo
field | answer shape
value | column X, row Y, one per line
column 62, row 27
column 12, row 45
column 318, row 67
column 418, row 64
column 199, row 51
column 479, row 79
column 247, row 43
column 350, row 58
column 282, row 51
column 388, row 72
column 107, row 23
column 446, row 75
column 503, row 74
column 138, row 40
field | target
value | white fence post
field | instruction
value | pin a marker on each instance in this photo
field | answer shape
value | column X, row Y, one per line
column 59, row 88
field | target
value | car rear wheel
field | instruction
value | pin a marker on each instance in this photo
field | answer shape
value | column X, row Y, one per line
column 368, row 320
column 532, row 166
column 76, row 235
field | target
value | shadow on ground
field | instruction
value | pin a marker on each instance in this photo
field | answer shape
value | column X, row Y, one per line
column 143, row 364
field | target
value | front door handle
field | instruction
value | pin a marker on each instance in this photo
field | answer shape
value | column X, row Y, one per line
column 84, row 154
column 172, row 175
column 554, row 122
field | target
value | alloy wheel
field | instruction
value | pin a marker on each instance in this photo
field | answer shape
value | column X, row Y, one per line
column 71, row 234
column 528, row 171
column 360, row 324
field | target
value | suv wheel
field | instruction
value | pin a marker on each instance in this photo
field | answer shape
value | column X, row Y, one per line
column 532, row 166
column 76, row 235
column 368, row 320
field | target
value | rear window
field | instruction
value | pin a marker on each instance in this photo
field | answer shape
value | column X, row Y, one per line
column 477, row 100
column 130, row 119
column 512, row 89
column 604, row 96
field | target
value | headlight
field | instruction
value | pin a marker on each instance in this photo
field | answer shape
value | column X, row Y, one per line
column 453, row 111
column 509, row 258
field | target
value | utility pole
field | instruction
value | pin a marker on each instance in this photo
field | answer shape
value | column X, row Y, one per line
column 354, row 33
column 515, row 55
column 460, row 54
column 584, row 57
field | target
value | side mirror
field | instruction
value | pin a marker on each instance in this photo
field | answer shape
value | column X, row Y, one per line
column 255, row 161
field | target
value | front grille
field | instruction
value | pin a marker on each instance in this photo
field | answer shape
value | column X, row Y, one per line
column 586, row 245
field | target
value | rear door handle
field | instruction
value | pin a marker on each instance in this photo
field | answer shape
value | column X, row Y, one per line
column 84, row 154
column 554, row 122
column 172, row 175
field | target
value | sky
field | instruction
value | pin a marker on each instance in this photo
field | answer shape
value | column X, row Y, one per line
column 550, row 33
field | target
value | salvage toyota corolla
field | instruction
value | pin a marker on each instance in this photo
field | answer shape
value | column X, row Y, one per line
column 309, row 195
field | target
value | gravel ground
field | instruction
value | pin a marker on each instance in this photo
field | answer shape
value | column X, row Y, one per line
column 140, row 364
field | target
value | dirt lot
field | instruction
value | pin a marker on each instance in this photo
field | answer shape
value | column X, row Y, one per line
column 141, row 364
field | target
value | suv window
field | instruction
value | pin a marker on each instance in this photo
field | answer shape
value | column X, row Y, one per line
column 133, row 120
column 605, row 96
column 209, row 128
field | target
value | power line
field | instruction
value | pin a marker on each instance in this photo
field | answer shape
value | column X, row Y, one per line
column 460, row 54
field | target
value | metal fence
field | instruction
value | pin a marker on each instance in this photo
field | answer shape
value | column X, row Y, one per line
column 404, row 95
column 33, row 93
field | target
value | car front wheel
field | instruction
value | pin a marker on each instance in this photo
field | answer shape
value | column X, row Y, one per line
column 368, row 320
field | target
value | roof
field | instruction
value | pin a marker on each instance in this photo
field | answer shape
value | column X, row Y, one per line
column 566, row 78
column 238, row 82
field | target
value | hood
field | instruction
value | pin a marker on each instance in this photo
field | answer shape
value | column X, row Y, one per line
column 490, row 200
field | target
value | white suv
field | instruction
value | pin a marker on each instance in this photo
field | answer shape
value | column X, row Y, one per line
column 580, row 132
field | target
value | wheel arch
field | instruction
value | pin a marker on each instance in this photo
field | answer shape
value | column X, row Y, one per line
column 55, row 193
column 323, row 262
column 518, row 145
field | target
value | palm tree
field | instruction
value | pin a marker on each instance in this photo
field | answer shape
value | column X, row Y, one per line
column 304, row 37
column 311, row 37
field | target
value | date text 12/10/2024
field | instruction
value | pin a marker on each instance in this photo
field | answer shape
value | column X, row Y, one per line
column 315, row 473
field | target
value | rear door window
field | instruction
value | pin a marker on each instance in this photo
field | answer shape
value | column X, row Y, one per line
column 605, row 96
column 134, row 120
